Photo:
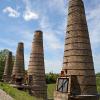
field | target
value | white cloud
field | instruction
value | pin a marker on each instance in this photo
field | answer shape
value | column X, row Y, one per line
column 30, row 15
column 11, row 12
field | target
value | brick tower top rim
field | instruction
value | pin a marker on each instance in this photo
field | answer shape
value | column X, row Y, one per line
column 38, row 34
column 38, row 31
column 21, row 43
column 20, row 46
column 9, row 52
column 76, row 0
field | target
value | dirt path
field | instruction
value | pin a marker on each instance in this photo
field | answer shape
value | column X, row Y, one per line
column 4, row 96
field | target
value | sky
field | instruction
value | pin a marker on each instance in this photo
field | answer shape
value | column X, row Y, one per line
column 20, row 18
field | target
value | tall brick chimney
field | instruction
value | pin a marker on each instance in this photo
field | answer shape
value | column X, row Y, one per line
column 18, row 68
column 78, row 67
column 36, row 70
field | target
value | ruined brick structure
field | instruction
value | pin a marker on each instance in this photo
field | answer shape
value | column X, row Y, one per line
column 36, row 70
column 18, row 68
column 8, row 68
column 78, row 61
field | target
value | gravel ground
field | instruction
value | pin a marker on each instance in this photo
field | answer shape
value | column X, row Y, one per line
column 5, row 96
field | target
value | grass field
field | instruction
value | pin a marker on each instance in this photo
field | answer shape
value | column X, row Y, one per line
column 16, row 94
column 20, row 95
column 51, row 88
column 98, row 84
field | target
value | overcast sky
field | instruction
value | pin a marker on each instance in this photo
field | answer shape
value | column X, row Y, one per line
column 20, row 18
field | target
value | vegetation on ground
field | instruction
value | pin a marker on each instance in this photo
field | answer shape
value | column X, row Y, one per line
column 21, row 95
column 51, row 89
column 15, row 93
column 98, row 83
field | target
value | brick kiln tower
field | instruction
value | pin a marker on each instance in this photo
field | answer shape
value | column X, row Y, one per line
column 8, row 68
column 77, row 81
column 36, row 70
column 18, row 68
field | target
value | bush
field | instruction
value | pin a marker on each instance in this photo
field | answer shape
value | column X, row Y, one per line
column 51, row 78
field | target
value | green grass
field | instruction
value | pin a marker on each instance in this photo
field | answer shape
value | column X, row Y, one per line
column 98, row 84
column 21, row 95
column 51, row 88
column 16, row 94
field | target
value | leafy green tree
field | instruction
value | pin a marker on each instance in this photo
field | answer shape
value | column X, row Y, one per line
column 51, row 78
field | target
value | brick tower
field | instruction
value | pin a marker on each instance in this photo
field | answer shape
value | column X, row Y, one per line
column 8, row 68
column 36, row 70
column 77, row 76
column 18, row 68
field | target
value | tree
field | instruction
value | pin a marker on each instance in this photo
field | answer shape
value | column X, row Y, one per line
column 51, row 78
